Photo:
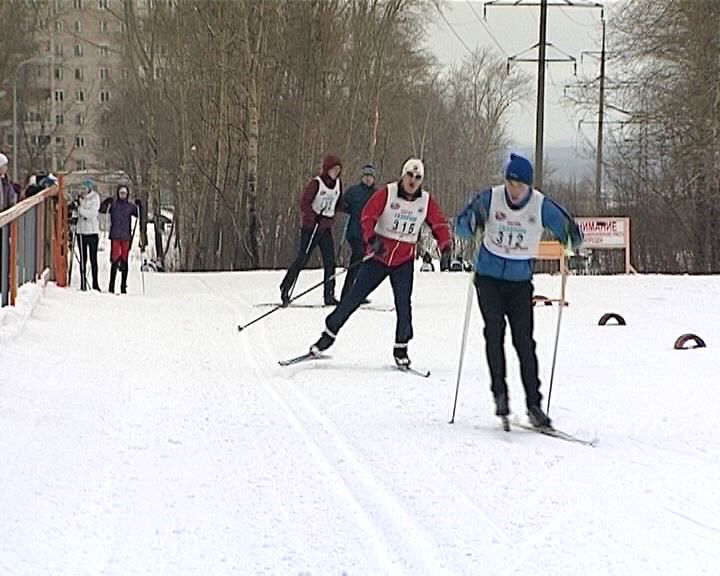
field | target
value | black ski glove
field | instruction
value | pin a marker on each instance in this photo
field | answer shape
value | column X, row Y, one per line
column 376, row 246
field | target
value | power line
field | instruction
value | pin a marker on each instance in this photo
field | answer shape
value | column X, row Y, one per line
column 487, row 28
column 470, row 51
column 565, row 13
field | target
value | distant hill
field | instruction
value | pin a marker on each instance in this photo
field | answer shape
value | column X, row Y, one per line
column 565, row 162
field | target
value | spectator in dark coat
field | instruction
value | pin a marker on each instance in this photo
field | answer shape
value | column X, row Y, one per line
column 121, row 210
column 354, row 200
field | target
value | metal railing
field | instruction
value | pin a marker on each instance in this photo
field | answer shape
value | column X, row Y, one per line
column 33, row 239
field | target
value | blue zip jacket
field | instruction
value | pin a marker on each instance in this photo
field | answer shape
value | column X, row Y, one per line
column 554, row 218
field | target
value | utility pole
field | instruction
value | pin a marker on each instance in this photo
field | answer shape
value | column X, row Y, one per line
column 542, row 60
column 601, row 116
column 540, row 110
column 600, row 120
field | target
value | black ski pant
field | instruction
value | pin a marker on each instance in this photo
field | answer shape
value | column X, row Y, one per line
column 372, row 273
column 88, row 250
column 116, row 265
column 324, row 240
column 356, row 255
column 500, row 299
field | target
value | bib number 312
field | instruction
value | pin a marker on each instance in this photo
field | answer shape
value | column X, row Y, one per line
column 509, row 239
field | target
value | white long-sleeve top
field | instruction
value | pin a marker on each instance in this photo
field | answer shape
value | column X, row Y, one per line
column 88, row 214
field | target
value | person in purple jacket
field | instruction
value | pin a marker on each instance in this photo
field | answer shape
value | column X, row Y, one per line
column 121, row 210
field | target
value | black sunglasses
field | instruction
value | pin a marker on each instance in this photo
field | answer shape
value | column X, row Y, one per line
column 415, row 176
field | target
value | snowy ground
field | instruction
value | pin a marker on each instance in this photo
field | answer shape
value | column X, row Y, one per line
column 144, row 435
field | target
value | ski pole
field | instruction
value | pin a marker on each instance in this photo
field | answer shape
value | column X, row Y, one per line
column 142, row 269
column 557, row 333
column 72, row 253
column 342, row 239
column 242, row 327
column 466, row 325
column 305, row 258
column 466, row 320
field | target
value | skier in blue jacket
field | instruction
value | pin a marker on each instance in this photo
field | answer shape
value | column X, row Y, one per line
column 514, row 216
column 354, row 201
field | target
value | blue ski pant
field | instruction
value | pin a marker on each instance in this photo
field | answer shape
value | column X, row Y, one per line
column 372, row 272
column 356, row 256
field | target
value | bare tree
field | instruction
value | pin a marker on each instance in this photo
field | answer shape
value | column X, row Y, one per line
column 237, row 102
column 665, row 166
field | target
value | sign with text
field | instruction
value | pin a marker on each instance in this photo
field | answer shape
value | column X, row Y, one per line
column 605, row 232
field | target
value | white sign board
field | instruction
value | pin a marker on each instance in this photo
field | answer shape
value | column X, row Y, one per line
column 604, row 232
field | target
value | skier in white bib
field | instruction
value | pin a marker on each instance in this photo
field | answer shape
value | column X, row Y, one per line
column 513, row 216
column 318, row 204
column 390, row 224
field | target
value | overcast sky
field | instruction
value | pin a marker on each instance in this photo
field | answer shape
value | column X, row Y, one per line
column 513, row 31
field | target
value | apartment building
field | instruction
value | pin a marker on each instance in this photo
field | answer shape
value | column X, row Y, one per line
column 64, row 92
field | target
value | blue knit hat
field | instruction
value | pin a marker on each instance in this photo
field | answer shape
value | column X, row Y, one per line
column 519, row 169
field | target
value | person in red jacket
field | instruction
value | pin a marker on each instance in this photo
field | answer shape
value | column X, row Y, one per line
column 390, row 224
column 317, row 208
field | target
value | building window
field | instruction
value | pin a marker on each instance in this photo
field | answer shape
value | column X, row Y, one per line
column 103, row 50
column 104, row 96
column 58, row 26
column 59, row 95
column 79, row 164
column 33, row 116
column 58, row 49
column 78, row 4
column 80, row 119
column 106, row 142
column 104, row 74
column 79, row 74
column 103, row 4
column 78, row 51
column 80, row 141
column 59, row 119
column 104, row 26
column 79, row 95
column 59, row 141
column 58, row 73
column 77, row 26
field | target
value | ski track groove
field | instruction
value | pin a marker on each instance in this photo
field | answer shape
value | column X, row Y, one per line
column 419, row 540
column 432, row 463
column 389, row 560
column 225, row 360
column 389, row 503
